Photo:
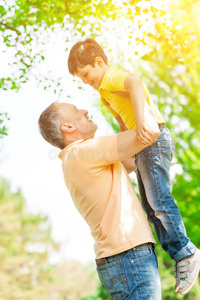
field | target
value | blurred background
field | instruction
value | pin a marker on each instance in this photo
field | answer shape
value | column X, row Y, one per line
column 46, row 251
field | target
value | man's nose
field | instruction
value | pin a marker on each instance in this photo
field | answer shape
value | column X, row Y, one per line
column 84, row 111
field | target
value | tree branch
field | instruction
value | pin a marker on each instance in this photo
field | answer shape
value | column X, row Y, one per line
column 11, row 28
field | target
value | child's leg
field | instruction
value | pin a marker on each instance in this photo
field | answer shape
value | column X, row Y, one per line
column 153, row 165
column 159, row 229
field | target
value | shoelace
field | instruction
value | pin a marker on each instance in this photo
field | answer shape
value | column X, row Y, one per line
column 183, row 266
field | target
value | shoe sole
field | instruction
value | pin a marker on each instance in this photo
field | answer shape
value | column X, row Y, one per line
column 177, row 289
column 192, row 283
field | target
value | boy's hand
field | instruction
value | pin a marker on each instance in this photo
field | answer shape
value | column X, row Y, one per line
column 144, row 135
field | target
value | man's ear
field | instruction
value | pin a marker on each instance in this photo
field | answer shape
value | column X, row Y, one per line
column 99, row 61
column 67, row 127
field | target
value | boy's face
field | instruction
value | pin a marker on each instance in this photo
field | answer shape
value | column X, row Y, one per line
column 93, row 75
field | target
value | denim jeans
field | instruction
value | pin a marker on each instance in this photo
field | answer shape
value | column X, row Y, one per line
column 132, row 275
column 152, row 165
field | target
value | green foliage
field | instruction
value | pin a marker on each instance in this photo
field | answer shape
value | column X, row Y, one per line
column 170, row 68
column 101, row 294
column 167, row 38
column 75, row 281
column 25, row 245
column 27, row 26
column 3, row 119
column 107, row 115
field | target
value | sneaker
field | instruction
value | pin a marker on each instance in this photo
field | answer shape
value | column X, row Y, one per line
column 176, row 289
column 188, row 270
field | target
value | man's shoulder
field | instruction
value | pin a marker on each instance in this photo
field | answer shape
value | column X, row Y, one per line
column 92, row 153
column 97, row 144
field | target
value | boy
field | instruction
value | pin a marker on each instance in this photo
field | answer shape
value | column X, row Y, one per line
column 126, row 96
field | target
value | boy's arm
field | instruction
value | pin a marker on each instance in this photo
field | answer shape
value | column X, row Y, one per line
column 129, row 163
column 128, row 143
column 134, row 86
column 122, row 126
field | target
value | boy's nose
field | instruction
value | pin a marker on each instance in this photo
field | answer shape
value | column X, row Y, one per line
column 84, row 80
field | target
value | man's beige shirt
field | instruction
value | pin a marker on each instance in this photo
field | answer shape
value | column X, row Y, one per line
column 103, row 194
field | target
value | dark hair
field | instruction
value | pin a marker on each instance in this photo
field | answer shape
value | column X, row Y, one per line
column 49, row 123
column 84, row 53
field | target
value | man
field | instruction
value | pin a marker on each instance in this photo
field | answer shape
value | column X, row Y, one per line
column 95, row 172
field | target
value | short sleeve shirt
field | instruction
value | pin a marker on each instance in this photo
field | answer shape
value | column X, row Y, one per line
column 103, row 194
column 113, row 81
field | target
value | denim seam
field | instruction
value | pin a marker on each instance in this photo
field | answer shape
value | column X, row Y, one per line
column 140, row 291
column 159, row 193
column 124, row 277
column 142, row 258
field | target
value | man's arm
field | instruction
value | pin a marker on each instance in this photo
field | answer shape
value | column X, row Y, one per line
column 129, row 164
column 127, row 141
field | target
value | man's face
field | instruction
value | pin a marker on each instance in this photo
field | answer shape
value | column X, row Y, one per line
column 91, row 75
column 79, row 118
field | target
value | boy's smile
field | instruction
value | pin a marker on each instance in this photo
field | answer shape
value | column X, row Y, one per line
column 92, row 75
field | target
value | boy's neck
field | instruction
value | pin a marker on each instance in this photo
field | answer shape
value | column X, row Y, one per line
column 105, row 69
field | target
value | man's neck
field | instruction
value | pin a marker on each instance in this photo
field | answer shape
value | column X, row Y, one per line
column 76, row 137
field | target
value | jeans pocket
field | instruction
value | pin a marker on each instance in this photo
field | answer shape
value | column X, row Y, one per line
column 141, row 258
column 113, row 278
column 142, row 252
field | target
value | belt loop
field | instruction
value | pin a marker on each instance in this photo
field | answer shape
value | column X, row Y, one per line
column 101, row 262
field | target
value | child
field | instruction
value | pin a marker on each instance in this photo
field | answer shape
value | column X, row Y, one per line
column 126, row 96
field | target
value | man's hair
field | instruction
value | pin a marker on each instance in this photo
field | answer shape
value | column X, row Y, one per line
column 49, row 123
column 84, row 53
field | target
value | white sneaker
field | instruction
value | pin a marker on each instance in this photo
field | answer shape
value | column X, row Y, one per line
column 188, row 271
column 176, row 275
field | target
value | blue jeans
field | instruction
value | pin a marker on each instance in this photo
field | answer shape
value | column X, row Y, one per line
column 153, row 164
column 132, row 274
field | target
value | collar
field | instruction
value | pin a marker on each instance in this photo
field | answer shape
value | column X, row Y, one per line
column 102, row 85
column 64, row 151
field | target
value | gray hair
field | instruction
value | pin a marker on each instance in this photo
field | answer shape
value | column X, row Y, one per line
column 49, row 124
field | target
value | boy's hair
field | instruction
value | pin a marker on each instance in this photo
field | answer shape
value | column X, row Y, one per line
column 84, row 53
column 49, row 123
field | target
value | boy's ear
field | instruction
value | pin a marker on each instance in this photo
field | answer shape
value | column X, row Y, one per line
column 67, row 127
column 99, row 61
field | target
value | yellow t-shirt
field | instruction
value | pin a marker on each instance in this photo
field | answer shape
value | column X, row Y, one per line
column 113, row 80
column 103, row 194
